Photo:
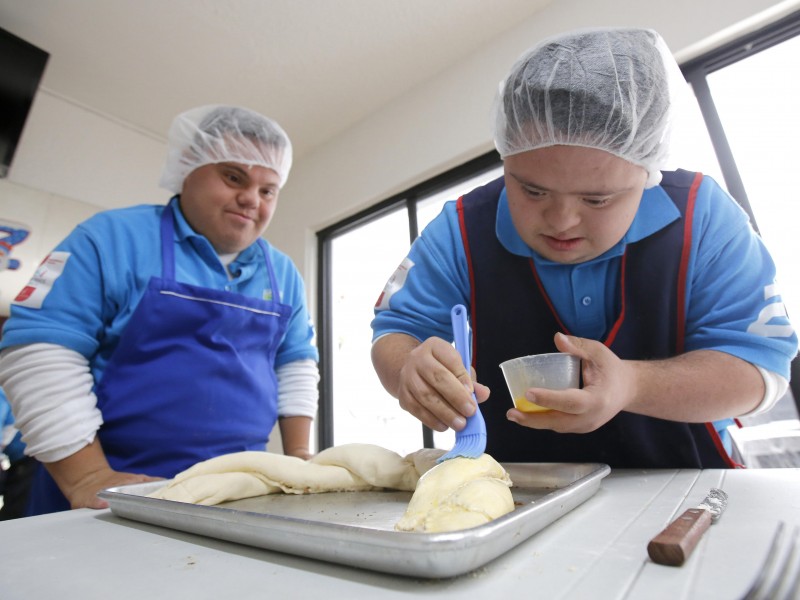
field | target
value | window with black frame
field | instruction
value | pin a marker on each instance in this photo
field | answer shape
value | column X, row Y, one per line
column 354, row 407
column 747, row 93
column 742, row 134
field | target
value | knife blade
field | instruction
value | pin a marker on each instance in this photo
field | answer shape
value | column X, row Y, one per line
column 677, row 541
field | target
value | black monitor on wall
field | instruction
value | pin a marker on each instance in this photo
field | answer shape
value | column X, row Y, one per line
column 21, row 68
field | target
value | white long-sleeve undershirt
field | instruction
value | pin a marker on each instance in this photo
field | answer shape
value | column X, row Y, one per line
column 49, row 388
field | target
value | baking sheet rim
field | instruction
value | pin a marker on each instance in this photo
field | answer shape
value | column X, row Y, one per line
column 414, row 549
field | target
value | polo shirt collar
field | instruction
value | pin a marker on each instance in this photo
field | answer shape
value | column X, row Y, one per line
column 184, row 231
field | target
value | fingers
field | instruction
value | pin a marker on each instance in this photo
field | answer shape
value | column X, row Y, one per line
column 449, row 374
column 571, row 411
column 589, row 351
column 92, row 502
column 571, row 401
column 580, row 347
column 85, row 496
column 426, row 395
column 566, row 343
column 553, row 420
column 436, row 387
column 481, row 392
column 424, row 415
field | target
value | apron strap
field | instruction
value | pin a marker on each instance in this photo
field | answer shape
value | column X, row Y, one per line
column 276, row 294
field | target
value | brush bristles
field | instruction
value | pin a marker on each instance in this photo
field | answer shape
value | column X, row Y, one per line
column 467, row 446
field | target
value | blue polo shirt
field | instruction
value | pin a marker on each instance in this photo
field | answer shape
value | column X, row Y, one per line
column 732, row 303
column 107, row 263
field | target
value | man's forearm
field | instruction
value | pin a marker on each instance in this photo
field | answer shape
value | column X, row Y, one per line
column 698, row 386
column 295, row 433
column 79, row 469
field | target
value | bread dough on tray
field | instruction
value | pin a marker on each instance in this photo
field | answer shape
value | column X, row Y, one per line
column 455, row 494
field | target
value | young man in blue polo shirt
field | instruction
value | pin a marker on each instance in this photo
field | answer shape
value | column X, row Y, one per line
column 155, row 337
column 654, row 279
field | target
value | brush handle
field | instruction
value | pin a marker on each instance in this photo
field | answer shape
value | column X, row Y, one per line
column 458, row 316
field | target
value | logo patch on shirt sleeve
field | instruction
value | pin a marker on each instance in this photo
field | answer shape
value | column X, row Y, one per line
column 50, row 269
column 773, row 320
column 395, row 284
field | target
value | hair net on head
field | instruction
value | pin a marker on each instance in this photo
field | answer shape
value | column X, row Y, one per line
column 610, row 89
column 215, row 134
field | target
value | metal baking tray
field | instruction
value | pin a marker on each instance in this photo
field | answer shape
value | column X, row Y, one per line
column 357, row 528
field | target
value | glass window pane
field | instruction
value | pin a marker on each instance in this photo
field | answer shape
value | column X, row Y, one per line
column 757, row 102
column 361, row 262
column 690, row 145
column 363, row 412
column 429, row 207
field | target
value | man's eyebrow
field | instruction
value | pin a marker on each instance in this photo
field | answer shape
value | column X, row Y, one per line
column 234, row 166
column 536, row 186
column 528, row 183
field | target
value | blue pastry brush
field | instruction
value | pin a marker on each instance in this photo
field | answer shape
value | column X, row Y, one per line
column 470, row 441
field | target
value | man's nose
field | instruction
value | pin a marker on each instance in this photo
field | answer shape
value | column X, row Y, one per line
column 248, row 196
column 562, row 214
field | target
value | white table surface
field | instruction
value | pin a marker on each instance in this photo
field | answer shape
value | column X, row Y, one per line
column 597, row 551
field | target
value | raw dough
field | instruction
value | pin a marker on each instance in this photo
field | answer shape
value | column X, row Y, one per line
column 456, row 494
column 346, row 468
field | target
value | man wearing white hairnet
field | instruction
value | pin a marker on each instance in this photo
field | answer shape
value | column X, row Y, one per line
column 156, row 337
column 654, row 279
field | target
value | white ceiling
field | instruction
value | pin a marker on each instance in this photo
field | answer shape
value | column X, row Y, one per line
column 316, row 66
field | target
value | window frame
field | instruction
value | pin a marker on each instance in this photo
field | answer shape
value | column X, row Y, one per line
column 695, row 72
column 407, row 200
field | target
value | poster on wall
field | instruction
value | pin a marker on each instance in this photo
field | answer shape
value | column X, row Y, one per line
column 12, row 234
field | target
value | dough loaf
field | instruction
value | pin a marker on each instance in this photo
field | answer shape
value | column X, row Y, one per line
column 346, row 468
column 456, row 494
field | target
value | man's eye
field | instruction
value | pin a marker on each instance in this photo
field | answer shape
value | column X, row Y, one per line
column 533, row 193
column 233, row 177
column 597, row 202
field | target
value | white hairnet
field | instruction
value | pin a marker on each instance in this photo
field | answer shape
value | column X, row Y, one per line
column 215, row 134
column 610, row 89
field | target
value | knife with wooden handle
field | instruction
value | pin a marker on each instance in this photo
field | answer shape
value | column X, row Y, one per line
column 674, row 545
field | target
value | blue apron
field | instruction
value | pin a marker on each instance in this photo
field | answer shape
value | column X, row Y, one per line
column 191, row 378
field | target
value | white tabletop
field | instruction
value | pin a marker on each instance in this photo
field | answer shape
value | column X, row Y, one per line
column 597, row 551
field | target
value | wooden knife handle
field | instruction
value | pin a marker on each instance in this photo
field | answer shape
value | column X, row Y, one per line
column 674, row 545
